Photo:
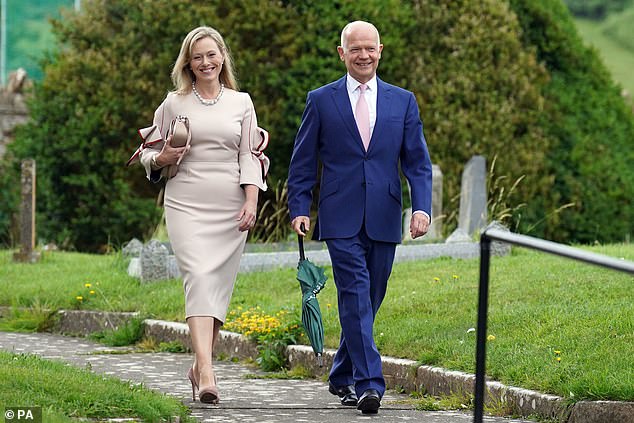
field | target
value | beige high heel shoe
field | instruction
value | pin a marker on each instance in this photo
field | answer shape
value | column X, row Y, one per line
column 192, row 379
column 209, row 394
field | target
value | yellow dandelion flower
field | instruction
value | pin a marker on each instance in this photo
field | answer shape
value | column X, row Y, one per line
column 79, row 298
column 87, row 285
column 455, row 276
column 491, row 337
column 92, row 292
column 558, row 359
column 557, row 352
column 436, row 279
column 328, row 305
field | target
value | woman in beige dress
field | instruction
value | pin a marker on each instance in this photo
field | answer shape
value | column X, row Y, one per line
column 210, row 204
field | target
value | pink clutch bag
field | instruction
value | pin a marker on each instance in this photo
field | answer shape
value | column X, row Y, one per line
column 181, row 137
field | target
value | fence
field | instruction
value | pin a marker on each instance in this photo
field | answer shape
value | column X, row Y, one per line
column 492, row 234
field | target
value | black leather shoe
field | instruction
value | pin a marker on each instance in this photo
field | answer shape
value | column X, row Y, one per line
column 346, row 394
column 369, row 402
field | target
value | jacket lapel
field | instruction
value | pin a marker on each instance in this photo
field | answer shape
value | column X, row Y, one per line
column 383, row 100
column 342, row 101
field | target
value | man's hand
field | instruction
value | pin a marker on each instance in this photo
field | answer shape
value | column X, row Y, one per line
column 419, row 225
column 297, row 223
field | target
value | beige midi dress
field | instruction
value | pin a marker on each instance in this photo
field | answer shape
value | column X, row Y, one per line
column 203, row 200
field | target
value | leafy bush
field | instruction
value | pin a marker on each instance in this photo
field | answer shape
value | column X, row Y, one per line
column 271, row 333
column 272, row 225
column 472, row 66
column 591, row 162
column 9, row 200
column 104, row 83
column 479, row 90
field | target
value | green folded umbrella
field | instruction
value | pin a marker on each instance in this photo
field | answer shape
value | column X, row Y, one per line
column 311, row 280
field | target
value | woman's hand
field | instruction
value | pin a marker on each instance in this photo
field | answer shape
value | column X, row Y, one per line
column 248, row 212
column 170, row 155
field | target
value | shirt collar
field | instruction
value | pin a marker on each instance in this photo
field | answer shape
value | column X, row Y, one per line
column 352, row 84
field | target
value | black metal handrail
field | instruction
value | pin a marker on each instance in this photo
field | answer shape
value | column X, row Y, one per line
column 491, row 234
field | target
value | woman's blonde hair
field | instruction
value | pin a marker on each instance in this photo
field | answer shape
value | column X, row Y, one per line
column 183, row 76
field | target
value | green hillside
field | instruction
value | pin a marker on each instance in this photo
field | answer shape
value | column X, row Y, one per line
column 614, row 39
column 29, row 32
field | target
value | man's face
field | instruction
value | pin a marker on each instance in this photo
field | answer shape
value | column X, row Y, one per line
column 361, row 52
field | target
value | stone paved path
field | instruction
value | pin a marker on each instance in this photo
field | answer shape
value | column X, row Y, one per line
column 243, row 398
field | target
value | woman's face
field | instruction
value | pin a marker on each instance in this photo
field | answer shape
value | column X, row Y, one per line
column 206, row 60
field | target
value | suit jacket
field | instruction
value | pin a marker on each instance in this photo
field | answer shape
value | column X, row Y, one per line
column 359, row 187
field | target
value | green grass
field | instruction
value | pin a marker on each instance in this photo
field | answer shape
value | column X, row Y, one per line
column 619, row 28
column 539, row 304
column 70, row 392
column 614, row 40
column 60, row 277
column 128, row 334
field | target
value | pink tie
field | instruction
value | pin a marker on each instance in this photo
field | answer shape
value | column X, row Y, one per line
column 362, row 116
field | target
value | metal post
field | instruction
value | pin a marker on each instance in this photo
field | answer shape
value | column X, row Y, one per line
column 491, row 234
column 483, row 305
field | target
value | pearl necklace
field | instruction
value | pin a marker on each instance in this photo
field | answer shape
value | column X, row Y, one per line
column 208, row 102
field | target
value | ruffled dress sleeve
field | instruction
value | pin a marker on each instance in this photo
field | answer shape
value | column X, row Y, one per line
column 162, row 117
column 254, row 165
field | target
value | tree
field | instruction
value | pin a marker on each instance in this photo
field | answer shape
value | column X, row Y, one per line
column 592, row 160
column 481, row 77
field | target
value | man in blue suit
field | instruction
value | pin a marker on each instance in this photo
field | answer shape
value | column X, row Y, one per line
column 360, row 129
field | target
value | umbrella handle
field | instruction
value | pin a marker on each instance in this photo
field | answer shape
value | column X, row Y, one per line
column 300, row 241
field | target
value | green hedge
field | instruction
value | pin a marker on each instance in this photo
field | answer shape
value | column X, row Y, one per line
column 481, row 77
column 592, row 162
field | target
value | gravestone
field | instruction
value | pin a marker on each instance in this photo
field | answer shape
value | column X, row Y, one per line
column 435, row 229
column 132, row 248
column 27, row 215
column 499, row 248
column 153, row 261
column 154, row 257
column 473, row 196
column 473, row 200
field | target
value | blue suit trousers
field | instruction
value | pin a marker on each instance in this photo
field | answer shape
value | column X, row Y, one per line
column 361, row 268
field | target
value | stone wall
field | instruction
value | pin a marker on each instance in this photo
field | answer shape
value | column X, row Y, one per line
column 13, row 109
